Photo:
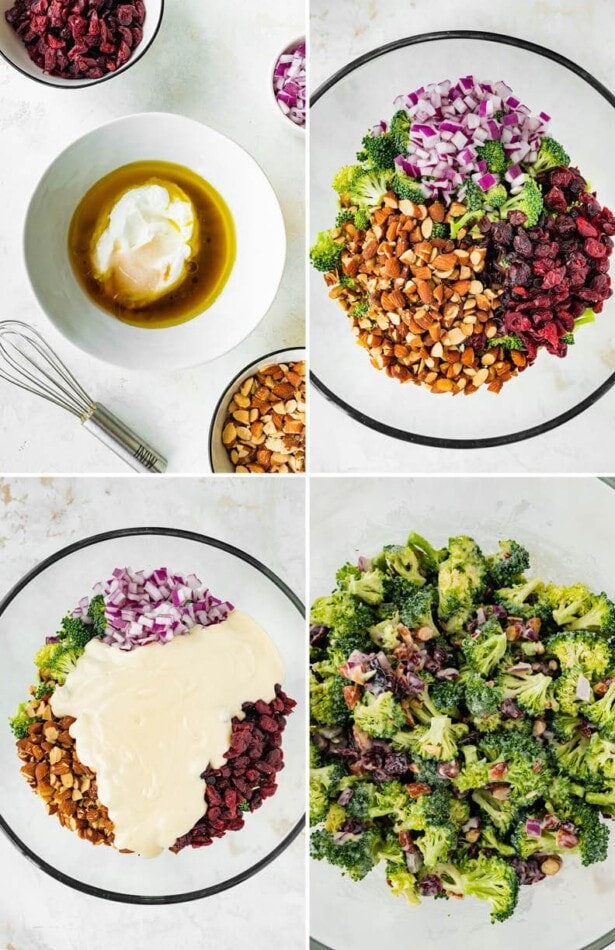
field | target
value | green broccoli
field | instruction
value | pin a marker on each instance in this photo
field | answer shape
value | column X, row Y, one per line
column 506, row 342
column 362, row 219
column 76, row 634
column 391, row 800
column 531, row 691
column 564, row 725
column 439, row 230
column 21, row 721
column 407, row 188
column 523, row 599
column 417, row 610
column 362, row 801
column 576, row 608
column 439, row 739
column 550, row 155
column 46, row 655
column 335, row 818
column 461, row 583
column 401, row 881
column 370, row 188
column 489, row 841
column 601, row 712
column 345, row 177
column 326, row 253
column 484, row 649
column 500, row 811
column 327, row 701
column 566, row 691
column 483, row 699
column 570, row 756
column 474, row 197
column 489, row 878
column 360, row 309
column 600, row 616
column 492, row 152
column 44, row 689
column 399, row 129
column 495, row 196
column 347, row 618
column 97, row 614
column 600, row 758
column 403, row 561
column 447, row 696
column 355, row 855
column 508, row 565
column 379, row 151
column 323, row 786
column 436, row 843
column 529, row 201
column 591, row 834
column 588, row 651
column 474, row 773
column 368, row 586
column 379, row 716
column 63, row 664
column 386, row 633
column 429, row 557
column 604, row 799
column 528, row 767
column 343, row 216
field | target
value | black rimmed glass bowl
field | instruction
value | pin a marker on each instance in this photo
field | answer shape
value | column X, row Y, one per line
column 552, row 390
column 34, row 608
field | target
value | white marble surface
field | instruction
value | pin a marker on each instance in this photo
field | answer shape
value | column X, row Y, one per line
column 39, row 516
column 342, row 31
column 209, row 62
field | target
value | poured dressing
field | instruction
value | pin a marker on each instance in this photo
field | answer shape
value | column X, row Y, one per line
column 150, row 720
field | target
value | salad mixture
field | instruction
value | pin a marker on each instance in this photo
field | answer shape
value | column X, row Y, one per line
column 466, row 241
column 109, row 772
column 463, row 722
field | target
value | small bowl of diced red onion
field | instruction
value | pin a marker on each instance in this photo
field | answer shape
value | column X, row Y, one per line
column 289, row 85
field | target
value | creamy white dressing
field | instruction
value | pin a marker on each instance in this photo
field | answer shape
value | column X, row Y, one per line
column 150, row 720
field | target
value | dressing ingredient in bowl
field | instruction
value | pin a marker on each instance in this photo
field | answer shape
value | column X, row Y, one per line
column 149, row 720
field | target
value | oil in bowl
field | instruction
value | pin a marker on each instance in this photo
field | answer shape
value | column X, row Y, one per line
column 152, row 244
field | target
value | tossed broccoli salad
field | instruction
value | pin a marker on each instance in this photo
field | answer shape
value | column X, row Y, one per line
column 462, row 722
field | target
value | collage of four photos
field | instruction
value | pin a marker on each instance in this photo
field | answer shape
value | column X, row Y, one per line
column 306, row 479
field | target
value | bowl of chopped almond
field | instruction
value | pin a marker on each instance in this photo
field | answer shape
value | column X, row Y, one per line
column 258, row 426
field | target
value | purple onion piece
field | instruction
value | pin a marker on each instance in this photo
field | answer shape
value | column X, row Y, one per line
column 364, row 564
column 345, row 797
column 431, row 886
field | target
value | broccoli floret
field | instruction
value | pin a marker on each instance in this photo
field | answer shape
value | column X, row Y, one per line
column 601, row 712
column 439, row 739
column 461, row 582
column 327, row 701
column 343, row 216
column 407, row 189
column 402, row 561
column 600, row 616
column 501, row 812
column 529, row 200
column 316, row 759
column 344, row 179
column 492, row 152
column 570, row 756
column 489, row 878
column 508, row 565
column 474, row 772
column 429, row 557
column 380, row 716
column 592, row 837
column 465, row 221
column 506, row 342
column 436, row 843
column 46, row 655
column 360, row 309
column 576, row 608
column 75, row 633
column 531, row 691
column 335, row 818
column 600, row 759
column 21, row 721
column 380, row 151
column 355, row 855
column 362, row 219
column 588, row 651
column 474, row 198
column 96, row 613
column 386, row 633
column 348, row 283
column 401, row 881
column 399, row 129
column 323, row 785
column 593, row 834
column 565, row 691
column 551, row 155
column 528, row 770
column 363, row 794
column 370, row 188
column 603, row 799
column 563, row 796
column 522, row 600
column 393, row 801
column 439, row 230
column 484, row 649
column 483, row 700
column 44, row 689
column 564, row 725
column 495, row 196
column 326, row 252
column 368, row 586
column 416, row 611
column 63, row 664
column 447, row 695
column 348, row 620
column 489, row 840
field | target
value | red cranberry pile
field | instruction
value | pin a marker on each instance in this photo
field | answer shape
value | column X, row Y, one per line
column 78, row 39
column 249, row 777
column 553, row 272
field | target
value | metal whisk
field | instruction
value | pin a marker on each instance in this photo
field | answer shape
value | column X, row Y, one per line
column 27, row 361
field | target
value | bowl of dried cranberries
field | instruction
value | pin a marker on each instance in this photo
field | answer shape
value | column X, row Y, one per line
column 76, row 43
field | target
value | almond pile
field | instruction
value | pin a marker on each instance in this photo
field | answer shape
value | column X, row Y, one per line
column 264, row 429
column 417, row 301
column 53, row 770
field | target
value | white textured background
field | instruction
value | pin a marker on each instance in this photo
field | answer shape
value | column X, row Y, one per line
column 212, row 62
column 264, row 517
column 345, row 29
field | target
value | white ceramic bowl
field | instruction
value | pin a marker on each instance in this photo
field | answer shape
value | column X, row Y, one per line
column 14, row 51
column 297, row 129
column 259, row 227
column 218, row 457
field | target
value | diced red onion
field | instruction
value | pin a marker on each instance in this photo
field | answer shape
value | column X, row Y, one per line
column 290, row 85
column 533, row 828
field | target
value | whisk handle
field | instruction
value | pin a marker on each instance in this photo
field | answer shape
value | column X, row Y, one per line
column 124, row 442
